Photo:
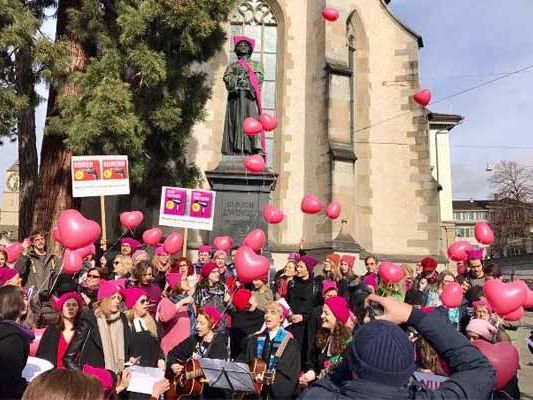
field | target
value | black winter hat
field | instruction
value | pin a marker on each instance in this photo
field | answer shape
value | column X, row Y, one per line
column 381, row 352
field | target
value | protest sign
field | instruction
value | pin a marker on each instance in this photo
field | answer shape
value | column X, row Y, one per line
column 99, row 176
column 187, row 208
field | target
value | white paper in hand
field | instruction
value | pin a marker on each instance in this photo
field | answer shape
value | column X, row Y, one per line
column 35, row 367
column 143, row 379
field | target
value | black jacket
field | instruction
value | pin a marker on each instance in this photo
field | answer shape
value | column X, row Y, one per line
column 14, row 351
column 184, row 350
column 472, row 375
column 49, row 344
column 243, row 325
column 87, row 342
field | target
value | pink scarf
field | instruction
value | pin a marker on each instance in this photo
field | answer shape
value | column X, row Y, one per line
column 257, row 89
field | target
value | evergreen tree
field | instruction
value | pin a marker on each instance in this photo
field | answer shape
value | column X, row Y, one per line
column 140, row 90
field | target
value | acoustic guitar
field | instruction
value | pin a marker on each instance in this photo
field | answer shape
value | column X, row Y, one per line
column 261, row 375
column 189, row 382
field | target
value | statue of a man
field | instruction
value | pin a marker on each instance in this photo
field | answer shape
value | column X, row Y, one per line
column 243, row 81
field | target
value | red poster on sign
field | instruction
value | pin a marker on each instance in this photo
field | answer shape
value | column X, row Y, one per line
column 115, row 169
column 86, row 170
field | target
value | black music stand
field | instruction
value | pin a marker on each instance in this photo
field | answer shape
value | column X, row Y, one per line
column 228, row 375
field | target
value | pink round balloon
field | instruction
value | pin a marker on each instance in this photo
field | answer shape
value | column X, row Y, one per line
column 152, row 236
column 483, row 233
column 250, row 266
column 14, row 251
column 457, row 250
column 131, row 219
column 505, row 298
column 268, row 122
column 254, row 163
column 503, row 357
column 72, row 262
column 330, row 14
column 34, row 345
column 223, row 243
column 311, row 204
column 251, row 126
column 390, row 272
column 173, row 243
column 77, row 231
column 272, row 215
column 333, row 210
column 423, row 97
column 255, row 239
column 452, row 295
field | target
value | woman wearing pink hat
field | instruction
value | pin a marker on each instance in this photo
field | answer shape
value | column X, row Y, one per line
column 162, row 265
column 348, row 277
column 56, row 338
column 211, row 290
column 144, row 277
column 102, row 334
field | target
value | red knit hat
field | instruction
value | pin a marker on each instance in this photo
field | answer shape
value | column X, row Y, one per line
column 348, row 259
column 213, row 313
column 339, row 308
column 207, row 269
column 107, row 289
column 429, row 264
column 334, row 258
column 59, row 302
column 241, row 299
column 131, row 296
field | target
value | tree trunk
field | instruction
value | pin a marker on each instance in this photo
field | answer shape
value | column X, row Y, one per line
column 27, row 149
column 54, row 192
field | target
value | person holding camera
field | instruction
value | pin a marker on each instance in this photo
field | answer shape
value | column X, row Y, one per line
column 380, row 361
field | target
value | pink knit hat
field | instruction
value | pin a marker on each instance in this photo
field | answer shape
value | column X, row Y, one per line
column 137, row 254
column 481, row 303
column 103, row 375
column 220, row 253
column 59, row 302
column 213, row 313
column 348, row 260
column 160, row 250
column 475, row 254
column 131, row 296
column 237, row 39
column 294, row 257
column 6, row 274
column 130, row 242
column 207, row 269
column 309, row 262
column 205, row 248
column 173, row 278
column 107, row 289
column 328, row 285
column 482, row 328
column 371, row 280
column 339, row 308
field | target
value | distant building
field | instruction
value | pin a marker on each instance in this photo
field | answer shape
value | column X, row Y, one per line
column 465, row 216
column 9, row 213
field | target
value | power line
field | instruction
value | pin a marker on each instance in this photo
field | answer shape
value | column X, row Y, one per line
column 483, row 146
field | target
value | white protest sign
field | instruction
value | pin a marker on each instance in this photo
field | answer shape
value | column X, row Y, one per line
column 99, row 176
column 187, row 208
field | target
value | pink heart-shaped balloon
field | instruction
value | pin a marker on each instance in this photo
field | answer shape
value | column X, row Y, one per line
column 483, row 233
column 254, row 163
column 152, row 236
column 330, row 14
column 505, row 297
column 457, row 251
column 268, row 122
column 251, row 126
column 173, row 243
column 87, row 250
column 34, row 345
column 452, row 295
column 272, row 215
column 503, row 357
column 528, row 302
column 311, row 204
column 333, row 210
column 223, row 243
column 131, row 219
column 255, row 239
column 250, row 266
column 516, row 315
column 14, row 251
column 77, row 231
column 71, row 262
column 423, row 97
column 390, row 272
column 56, row 235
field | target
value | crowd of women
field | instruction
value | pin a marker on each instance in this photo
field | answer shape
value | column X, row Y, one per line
column 307, row 322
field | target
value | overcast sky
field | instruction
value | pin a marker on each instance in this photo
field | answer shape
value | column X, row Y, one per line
column 466, row 42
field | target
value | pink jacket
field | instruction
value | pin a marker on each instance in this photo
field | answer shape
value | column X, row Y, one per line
column 176, row 324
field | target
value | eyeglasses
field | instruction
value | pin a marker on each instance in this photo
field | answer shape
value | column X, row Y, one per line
column 93, row 276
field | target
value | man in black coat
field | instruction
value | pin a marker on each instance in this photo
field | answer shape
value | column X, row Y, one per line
column 380, row 362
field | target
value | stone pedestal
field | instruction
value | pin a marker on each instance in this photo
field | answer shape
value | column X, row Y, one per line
column 240, row 199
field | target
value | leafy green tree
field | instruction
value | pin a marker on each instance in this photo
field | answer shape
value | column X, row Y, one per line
column 139, row 89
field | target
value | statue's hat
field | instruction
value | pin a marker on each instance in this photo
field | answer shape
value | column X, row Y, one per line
column 237, row 39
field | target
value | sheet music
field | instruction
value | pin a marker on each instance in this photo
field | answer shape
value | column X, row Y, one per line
column 143, row 379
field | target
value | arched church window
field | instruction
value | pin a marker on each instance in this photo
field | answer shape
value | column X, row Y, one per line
column 255, row 18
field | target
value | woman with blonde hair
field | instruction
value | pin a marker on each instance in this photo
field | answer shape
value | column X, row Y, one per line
column 122, row 268
column 102, row 335
column 286, row 276
column 331, row 271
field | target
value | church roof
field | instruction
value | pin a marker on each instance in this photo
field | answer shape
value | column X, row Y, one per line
column 410, row 31
column 14, row 167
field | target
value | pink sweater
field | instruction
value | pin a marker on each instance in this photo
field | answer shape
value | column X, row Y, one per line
column 176, row 324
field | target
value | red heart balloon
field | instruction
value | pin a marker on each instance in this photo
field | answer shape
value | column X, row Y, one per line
column 457, row 251
column 131, row 219
column 505, row 297
column 333, row 210
column 268, row 122
column 251, row 126
column 255, row 239
column 483, row 233
column 254, row 163
column 152, row 236
column 311, row 204
column 423, row 97
column 390, row 272
column 330, row 14
column 528, row 302
column 34, row 345
column 71, row 262
column 516, row 315
column 77, row 231
column 173, row 243
column 503, row 357
column 14, row 251
column 452, row 295
column 272, row 215
column 87, row 250
column 250, row 266
column 223, row 243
